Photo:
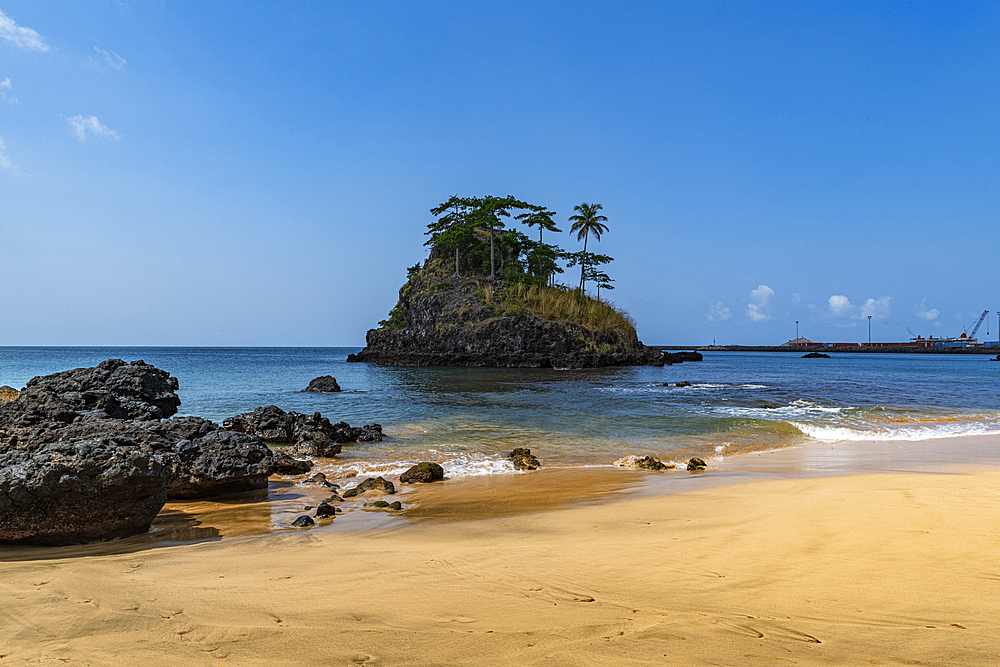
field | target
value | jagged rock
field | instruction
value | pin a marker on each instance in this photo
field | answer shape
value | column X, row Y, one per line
column 86, row 491
column 683, row 383
column 696, row 464
column 326, row 385
column 371, row 484
column 8, row 394
column 423, row 473
column 313, row 435
column 304, row 521
column 286, row 465
column 816, row 355
column 523, row 460
column 321, row 480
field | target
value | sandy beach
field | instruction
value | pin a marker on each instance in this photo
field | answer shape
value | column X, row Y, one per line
column 785, row 559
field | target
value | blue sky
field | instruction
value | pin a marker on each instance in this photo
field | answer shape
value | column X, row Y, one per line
column 238, row 173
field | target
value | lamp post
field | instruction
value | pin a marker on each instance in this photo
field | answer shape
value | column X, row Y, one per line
column 796, row 331
column 869, row 331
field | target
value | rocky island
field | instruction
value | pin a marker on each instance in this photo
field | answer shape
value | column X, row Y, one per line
column 486, row 296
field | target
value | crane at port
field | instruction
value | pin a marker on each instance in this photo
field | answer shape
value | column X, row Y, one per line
column 978, row 324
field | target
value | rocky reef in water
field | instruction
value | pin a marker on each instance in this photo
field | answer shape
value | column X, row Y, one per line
column 442, row 320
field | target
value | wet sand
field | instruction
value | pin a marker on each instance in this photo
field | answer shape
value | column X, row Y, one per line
column 884, row 553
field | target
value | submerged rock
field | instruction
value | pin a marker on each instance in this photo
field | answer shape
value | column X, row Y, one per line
column 304, row 521
column 682, row 383
column 816, row 355
column 423, row 473
column 325, row 385
column 371, row 484
column 696, row 464
column 523, row 460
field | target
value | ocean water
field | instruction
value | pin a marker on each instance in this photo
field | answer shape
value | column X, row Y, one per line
column 468, row 419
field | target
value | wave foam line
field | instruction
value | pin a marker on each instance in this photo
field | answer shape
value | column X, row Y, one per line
column 833, row 433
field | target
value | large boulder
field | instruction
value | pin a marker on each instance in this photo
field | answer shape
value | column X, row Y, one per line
column 85, row 491
column 326, row 384
column 422, row 473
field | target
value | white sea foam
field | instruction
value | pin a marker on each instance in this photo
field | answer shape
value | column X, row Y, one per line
column 950, row 430
column 797, row 409
column 457, row 465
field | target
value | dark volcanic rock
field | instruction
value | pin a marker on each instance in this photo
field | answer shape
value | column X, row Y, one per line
column 113, row 412
column 446, row 321
column 325, row 510
column 681, row 357
column 286, row 465
column 371, row 484
column 423, row 473
column 87, row 491
column 696, row 464
column 682, row 383
column 523, row 460
column 304, row 521
column 815, row 355
column 326, row 385
column 313, row 435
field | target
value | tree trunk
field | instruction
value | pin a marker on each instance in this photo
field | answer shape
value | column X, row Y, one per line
column 583, row 261
column 540, row 251
column 493, row 271
column 456, row 263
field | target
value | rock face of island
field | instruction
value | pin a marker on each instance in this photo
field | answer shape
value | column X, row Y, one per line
column 92, row 454
column 441, row 320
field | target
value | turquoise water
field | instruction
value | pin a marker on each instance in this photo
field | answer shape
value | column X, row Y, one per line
column 469, row 418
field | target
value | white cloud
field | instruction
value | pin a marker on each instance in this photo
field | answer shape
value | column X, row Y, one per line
column 81, row 127
column 876, row 309
column 115, row 60
column 759, row 308
column 5, row 162
column 7, row 91
column 718, row 312
column 19, row 36
column 796, row 298
column 840, row 306
column 927, row 313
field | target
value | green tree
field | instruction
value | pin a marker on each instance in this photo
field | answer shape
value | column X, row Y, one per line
column 587, row 221
column 450, row 230
column 541, row 216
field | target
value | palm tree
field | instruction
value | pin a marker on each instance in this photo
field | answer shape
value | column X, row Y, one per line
column 587, row 222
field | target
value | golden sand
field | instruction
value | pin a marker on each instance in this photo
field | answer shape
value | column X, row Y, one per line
column 878, row 569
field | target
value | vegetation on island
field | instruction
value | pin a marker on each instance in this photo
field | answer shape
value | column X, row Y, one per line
column 476, row 239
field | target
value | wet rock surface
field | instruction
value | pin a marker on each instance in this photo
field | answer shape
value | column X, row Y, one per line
column 286, row 465
column 422, row 473
column 312, row 435
column 326, row 384
column 371, row 484
column 523, row 460
column 694, row 463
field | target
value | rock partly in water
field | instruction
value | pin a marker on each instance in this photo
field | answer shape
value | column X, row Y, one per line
column 304, row 521
column 442, row 320
column 643, row 463
column 377, row 504
column 371, row 484
column 696, row 464
column 523, row 460
column 816, row 355
column 681, row 357
column 286, row 465
column 72, row 493
column 396, row 505
column 118, row 406
column 423, row 473
column 8, row 394
column 682, row 383
column 313, row 435
column 324, row 385
column 326, row 510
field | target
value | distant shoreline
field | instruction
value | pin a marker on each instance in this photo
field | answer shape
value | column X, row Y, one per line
column 831, row 348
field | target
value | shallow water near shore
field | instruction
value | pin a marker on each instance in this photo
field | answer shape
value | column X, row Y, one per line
column 468, row 419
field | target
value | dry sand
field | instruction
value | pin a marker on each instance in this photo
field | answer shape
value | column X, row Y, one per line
column 897, row 568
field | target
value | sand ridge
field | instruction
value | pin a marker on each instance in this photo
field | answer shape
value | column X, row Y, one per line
column 872, row 569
